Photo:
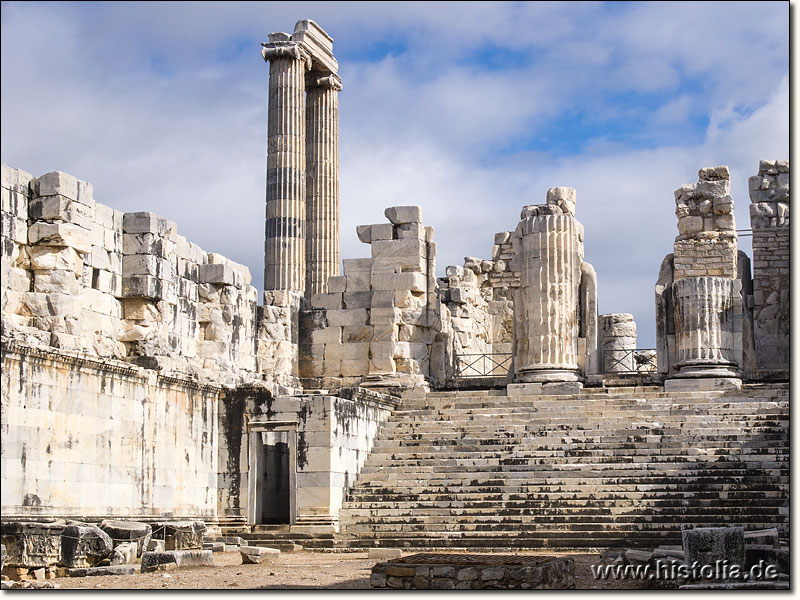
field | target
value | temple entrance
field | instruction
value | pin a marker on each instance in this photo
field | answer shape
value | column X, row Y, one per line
column 275, row 480
column 272, row 468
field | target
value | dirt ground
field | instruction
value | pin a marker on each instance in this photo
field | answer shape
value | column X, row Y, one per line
column 301, row 570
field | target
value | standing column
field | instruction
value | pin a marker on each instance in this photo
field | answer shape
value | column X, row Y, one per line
column 284, row 251
column 706, row 291
column 546, row 303
column 322, row 181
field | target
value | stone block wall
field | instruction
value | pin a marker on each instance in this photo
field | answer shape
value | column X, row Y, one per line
column 93, row 438
column 474, row 321
column 80, row 276
column 769, row 218
column 501, row 277
column 379, row 318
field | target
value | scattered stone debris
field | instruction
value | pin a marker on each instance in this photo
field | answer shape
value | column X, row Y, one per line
column 385, row 553
column 128, row 531
column 474, row 572
column 154, row 561
column 84, row 546
column 706, row 545
column 253, row 555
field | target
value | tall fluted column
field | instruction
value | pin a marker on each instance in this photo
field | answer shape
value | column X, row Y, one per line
column 285, row 250
column 322, row 181
column 546, row 304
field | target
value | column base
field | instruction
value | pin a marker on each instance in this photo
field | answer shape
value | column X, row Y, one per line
column 706, row 370
column 547, row 376
column 702, row 384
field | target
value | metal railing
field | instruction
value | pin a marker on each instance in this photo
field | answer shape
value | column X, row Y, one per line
column 638, row 360
column 488, row 364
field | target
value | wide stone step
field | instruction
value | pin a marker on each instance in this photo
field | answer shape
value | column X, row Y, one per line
column 590, row 410
column 578, row 489
column 582, row 537
column 595, row 455
column 548, row 477
column 425, row 514
column 667, row 523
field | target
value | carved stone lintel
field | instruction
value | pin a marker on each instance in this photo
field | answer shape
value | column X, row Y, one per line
column 276, row 50
column 332, row 81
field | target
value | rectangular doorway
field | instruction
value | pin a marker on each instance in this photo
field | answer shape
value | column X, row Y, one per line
column 275, row 479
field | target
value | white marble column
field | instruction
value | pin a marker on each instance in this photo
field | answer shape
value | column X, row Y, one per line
column 707, row 326
column 322, row 180
column 619, row 342
column 285, row 251
column 546, row 304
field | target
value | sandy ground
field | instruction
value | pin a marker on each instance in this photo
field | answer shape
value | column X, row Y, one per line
column 301, row 570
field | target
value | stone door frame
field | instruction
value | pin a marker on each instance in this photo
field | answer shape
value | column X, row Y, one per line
column 255, row 452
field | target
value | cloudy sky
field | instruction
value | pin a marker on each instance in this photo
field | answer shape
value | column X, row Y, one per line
column 470, row 110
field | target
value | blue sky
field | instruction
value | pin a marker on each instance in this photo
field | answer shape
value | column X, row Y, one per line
column 470, row 110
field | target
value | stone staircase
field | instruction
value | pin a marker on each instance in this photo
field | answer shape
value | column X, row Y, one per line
column 621, row 467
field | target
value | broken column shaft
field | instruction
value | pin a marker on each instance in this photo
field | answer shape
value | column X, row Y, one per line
column 546, row 304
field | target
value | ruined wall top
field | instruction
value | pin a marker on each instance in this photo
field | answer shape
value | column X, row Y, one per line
column 560, row 201
column 706, row 244
column 769, row 195
column 706, row 206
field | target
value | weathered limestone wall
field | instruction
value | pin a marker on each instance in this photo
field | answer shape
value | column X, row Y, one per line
column 474, row 322
column 380, row 317
column 159, row 325
column 769, row 218
column 79, row 276
column 501, row 277
column 332, row 435
column 92, row 437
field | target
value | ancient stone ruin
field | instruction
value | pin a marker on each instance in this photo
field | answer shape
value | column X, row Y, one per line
column 149, row 387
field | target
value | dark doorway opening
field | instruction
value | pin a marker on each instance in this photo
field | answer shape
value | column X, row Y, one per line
column 275, row 487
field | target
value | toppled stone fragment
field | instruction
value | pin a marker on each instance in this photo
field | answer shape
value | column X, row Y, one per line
column 31, row 545
column 84, row 546
column 706, row 545
column 253, row 555
column 151, row 561
column 399, row 215
column 180, row 535
column 378, row 553
column 128, row 531
column 124, row 553
column 121, row 569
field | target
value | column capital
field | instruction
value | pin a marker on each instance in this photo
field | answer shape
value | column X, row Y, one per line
column 330, row 81
column 274, row 50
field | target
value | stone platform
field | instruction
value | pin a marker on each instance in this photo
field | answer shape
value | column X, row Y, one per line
column 475, row 572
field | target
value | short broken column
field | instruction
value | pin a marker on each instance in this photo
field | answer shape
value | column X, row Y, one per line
column 705, row 293
column 618, row 342
column 546, row 303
